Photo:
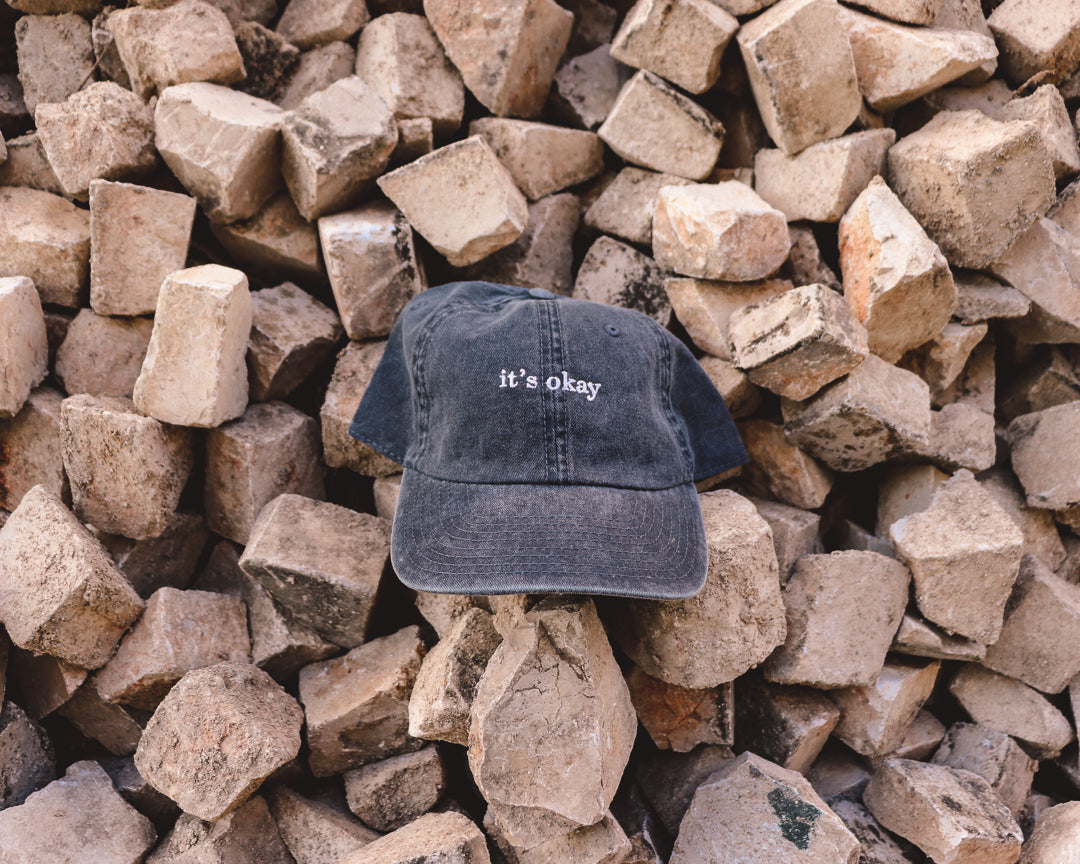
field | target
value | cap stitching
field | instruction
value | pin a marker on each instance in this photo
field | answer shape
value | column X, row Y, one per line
column 666, row 379
column 419, row 378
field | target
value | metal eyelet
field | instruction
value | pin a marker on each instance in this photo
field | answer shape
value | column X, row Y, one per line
column 611, row 329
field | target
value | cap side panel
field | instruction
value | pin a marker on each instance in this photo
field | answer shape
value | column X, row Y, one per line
column 384, row 419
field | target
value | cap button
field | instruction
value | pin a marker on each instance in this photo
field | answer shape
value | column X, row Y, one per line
column 540, row 294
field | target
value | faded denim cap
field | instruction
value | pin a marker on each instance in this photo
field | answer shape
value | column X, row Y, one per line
column 550, row 445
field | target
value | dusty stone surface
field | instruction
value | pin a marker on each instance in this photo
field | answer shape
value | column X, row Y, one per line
column 168, row 560
column 992, row 755
column 974, row 184
column 949, row 813
column 680, row 718
column 277, row 241
column 749, row 807
column 981, row 297
column 307, row 24
column 315, row 70
column 27, row 762
column 434, row 838
column 357, row 706
column 102, row 355
column 805, row 94
column 795, row 532
column 47, row 240
column 823, row 597
column 781, row 469
column 940, row 361
column 315, row 832
column 507, row 62
column 373, row 265
column 718, row 231
column 268, row 58
column 1042, row 455
column 77, row 817
column 922, row 639
column 393, row 792
column 923, row 737
column 889, row 264
column 787, row 725
column 24, row 348
column 479, row 211
column 904, row 490
column 1046, row 109
column 194, row 372
column 585, row 88
column 1055, row 835
column 271, row 450
column 55, row 56
column 604, row 842
column 244, row 836
column 1048, row 380
column 181, row 754
column 652, row 125
column 26, row 163
column 704, row 307
column 741, row 397
column 1027, row 45
column 909, row 11
column 617, row 274
column 732, row 624
column 625, row 208
column 74, row 608
column 112, row 726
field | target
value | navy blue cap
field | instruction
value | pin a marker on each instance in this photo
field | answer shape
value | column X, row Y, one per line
column 549, row 444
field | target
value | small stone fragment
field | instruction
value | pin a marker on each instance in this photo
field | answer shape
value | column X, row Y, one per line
column 1041, row 537
column 601, row 843
column 908, row 11
column 940, row 361
column 27, row 164
column 390, row 793
column 669, row 780
column 101, row 355
column 1028, row 45
column 27, row 762
column 1046, row 109
column 247, row 835
column 1043, row 453
column 43, row 683
column 55, row 55
column 32, row 442
column 795, row 532
column 981, row 297
column 922, row 738
column 878, row 845
column 309, row 23
column 277, row 242
column 112, row 726
column 268, row 58
column 704, row 307
column 839, row 771
column 904, row 490
column 787, row 725
column 619, row 275
column 680, row 718
column 992, row 755
column 921, row 639
column 315, row 832
column 741, row 397
column 167, row 560
column 434, row 838
column 316, row 70
column 1055, row 836
column 24, row 349
column 625, row 207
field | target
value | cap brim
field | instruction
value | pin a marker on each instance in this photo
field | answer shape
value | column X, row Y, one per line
column 483, row 538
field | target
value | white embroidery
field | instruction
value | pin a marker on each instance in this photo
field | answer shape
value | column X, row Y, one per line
column 514, row 378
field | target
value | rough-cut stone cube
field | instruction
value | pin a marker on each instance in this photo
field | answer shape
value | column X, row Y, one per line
column 181, row 751
column 922, row 738
column 310, row 23
column 316, row 832
column 55, row 55
column 617, row 274
column 1037, row 35
column 47, row 240
column 824, row 597
column 921, row 639
column 972, row 183
column 1055, row 835
column 373, row 265
column 272, row 449
column 1044, row 455
column 981, row 297
column 704, row 307
column 194, row 373
column 26, row 164
column 508, row 60
column 593, row 844
column 655, row 126
column 1046, row 109
column 24, row 347
column 787, row 725
column 680, row 718
column 732, row 624
column 34, row 453
column 460, row 199
column 101, row 355
column 795, row 532
column 138, row 236
column 904, row 490
column 390, row 793
column 42, row 682
column 230, row 182
column 992, row 755
column 895, row 277
column 718, row 231
column 167, row 560
column 26, row 756
column 316, row 70
column 940, row 361
column 585, row 88
column 802, row 72
column 245, row 836
column 435, row 837
column 625, row 208
column 277, row 242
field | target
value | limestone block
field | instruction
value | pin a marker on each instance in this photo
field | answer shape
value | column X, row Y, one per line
column 460, row 199
column 875, row 718
column 585, row 88
column 138, row 236
column 112, row 726
column 102, row 356
column 732, row 624
column 416, row 138
column 230, row 182
column 962, row 436
column 781, row 469
column 277, row 241
column 904, row 490
column 400, row 58
column 181, row 753
column 625, row 208
column 315, row 70
column 387, row 490
column 897, row 64
column 393, row 792
column 842, row 611
column 268, row 58
column 653, row 125
column 976, row 385
column 821, row 182
column 795, row 532
column 31, row 442
column 27, row 164
column 1012, row 707
column 55, row 55
column 606, row 841
column 167, row 560
column 552, row 703
column 741, row 397
column 1029, row 46
column 291, row 334
column 704, row 307
column 974, row 184
column 24, row 349
column 747, row 809
column 434, row 838
column 679, row 40
column 446, row 683
column 890, row 264
column 923, row 737
column 1041, row 538
column 80, row 816
column 194, row 372
column 786, row 725
column 332, row 143
column 802, row 73
column 355, row 365
column 1055, row 835
column 949, row 813
column 47, row 240
column 1043, row 453
column 1046, row 109
column 247, row 835
column 981, row 297
column 668, row 780
column 315, row 832
column 74, row 608
column 921, row 639
column 507, row 61
column 373, row 265
column 680, row 718
column 311, row 23
column 992, row 755
column 617, row 274
column 43, row 683
column 272, row 449
column 191, row 40
column 875, row 412
column 26, row 756
column 878, row 845
column 940, row 361
column 718, row 231
column 907, row 11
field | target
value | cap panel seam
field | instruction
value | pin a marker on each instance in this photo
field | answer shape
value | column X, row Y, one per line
column 666, row 379
column 561, row 418
column 420, row 379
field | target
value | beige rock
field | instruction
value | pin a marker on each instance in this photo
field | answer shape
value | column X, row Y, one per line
column 194, row 372
column 80, row 816
column 653, row 125
column 188, row 41
column 168, row 560
column 981, row 297
column 619, row 275
column 506, row 61
column 940, row 361
column 247, row 835
column 373, row 265
column 732, row 624
column 601, row 843
column 1048, row 378
column 393, row 792
column 434, row 838
column 332, row 143
column 585, row 88
column 974, row 184
column 838, row 771
column 26, row 756
column 1046, row 109
column 704, row 307
column 316, row 70
column 907, row 11
column 1065, row 210
column 668, row 780
column 400, row 58
column 315, row 833
column 781, row 469
column 479, row 209
column 181, row 752
column 921, row 639
column 1043, row 455
column 977, row 383
column 387, row 490
column 310, row 23
column 55, row 55
column 795, row 532
column 680, row 718
column 416, row 138
column 625, row 208
column 1012, row 707
column 24, row 350
column 1055, row 835
column 277, row 241
column 923, row 737
column 874, row 719
column 272, row 449
column 27, row 164
column 268, row 58
column 807, row 93
column 1041, row 538
column 904, row 490
column 962, row 436
column 47, row 240
column 551, row 701
column 1029, row 46
column 680, row 40
column 718, row 231
column 877, row 843
column 31, row 442
column 356, row 705
column 746, row 809
column 110, row 725
column 741, row 397
column 230, row 182
column 43, row 683
column 992, row 755
column 822, row 181
column 787, row 725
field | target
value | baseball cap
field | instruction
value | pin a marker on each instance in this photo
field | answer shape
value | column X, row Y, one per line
column 549, row 444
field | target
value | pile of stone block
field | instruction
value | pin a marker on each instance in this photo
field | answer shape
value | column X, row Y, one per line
column 863, row 218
